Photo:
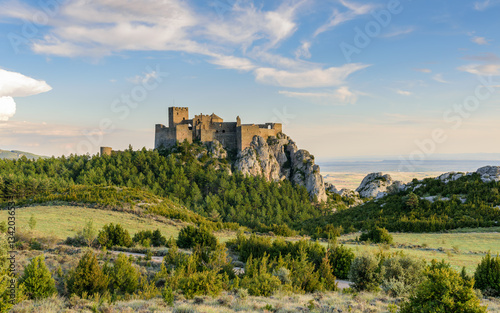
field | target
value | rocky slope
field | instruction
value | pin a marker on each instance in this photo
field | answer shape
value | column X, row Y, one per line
column 279, row 158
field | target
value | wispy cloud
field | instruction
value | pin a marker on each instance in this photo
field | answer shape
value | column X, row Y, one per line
column 332, row 76
column 341, row 96
column 423, row 70
column 490, row 64
column 303, row 50
column 399, row 32
column 483, row 5
column 403, row 92
column 480, row 40
column 439, row 78
column 353, row 10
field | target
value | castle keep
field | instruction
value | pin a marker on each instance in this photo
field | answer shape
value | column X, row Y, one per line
column 207, row 128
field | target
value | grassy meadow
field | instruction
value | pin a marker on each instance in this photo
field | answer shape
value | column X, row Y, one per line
column 64, row 221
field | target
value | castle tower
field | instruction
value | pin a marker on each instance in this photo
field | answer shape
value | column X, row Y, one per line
column 176, row 115
column 105, row 151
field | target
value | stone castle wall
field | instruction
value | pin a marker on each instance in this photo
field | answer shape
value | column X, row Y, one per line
column 207, row 128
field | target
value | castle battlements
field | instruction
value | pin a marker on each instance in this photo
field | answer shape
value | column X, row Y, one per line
column 207, row 128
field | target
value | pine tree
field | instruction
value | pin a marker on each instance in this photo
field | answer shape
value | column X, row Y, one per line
column 38, row 280
column 87, row 277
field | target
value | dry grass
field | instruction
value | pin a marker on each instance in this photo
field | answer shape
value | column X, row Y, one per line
column 228, row 303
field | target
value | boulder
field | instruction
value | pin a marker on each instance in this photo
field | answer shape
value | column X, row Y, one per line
column 489, row 173
column 373, row 184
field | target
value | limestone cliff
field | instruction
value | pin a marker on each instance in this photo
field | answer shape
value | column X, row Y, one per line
column 279, row 158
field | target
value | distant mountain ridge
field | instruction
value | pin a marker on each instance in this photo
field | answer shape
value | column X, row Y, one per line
column 16, row 154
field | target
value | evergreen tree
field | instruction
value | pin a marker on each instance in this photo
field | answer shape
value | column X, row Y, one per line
column 88, row 276
column 37, row 279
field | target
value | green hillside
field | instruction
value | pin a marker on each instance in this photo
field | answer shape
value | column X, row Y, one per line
column 15, row 154
column 430, row 205
column 186, row 175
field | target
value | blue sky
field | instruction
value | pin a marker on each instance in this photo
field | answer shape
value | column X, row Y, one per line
column 346, row 78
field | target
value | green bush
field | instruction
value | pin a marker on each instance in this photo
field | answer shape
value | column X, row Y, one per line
column 37, row 279
column 443, row 290
column 377, row 235
column 191, row 236
column 258, row 280
column 88, row 276
column 114, row 235
column 154, row 238
column 123, row 276
column 365, row 273
column 340, row 259
column 3, row 227
column 168, row 295
column 401, row 274
column 201, row 283
column 487, row 275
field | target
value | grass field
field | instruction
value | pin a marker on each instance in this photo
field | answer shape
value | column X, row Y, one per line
column 64, row 221
column 458, row 248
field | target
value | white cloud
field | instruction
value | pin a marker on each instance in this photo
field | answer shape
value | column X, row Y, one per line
column 483, row 5
column 423, row 70
column 481, row 69
column 403, row 92
column 332, row 76
column 338, row 97
column 245, row 39
column 14, row 84
column 399, row 32
column 303, row 50
column 354, row 10
column 7, row 108
column 439, row 78
column 480, row 40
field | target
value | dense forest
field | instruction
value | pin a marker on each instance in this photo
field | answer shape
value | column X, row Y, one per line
column 184, row 174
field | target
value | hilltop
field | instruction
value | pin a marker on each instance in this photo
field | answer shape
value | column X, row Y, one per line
column 15, row 154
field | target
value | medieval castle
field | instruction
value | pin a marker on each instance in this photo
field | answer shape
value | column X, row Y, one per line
column 207, row 128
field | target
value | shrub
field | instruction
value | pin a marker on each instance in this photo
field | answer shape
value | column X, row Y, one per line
column 487, row 275
column 377, row 235
column 401, row 274
column 3, row 227
column 38, row 280
column 326, row 274
column 201, row 283
column 443, row 290
column 365, row 273
column 114, row 235
column 191, row 236
column 258, row 280
column 340, row 259
column 148, row 238
column 123, row 276
column 88, row 277
column 168, row 296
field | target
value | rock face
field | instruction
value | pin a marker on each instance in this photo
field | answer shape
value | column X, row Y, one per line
column 450, row 176
column 489, row 173
column 378, row 185
column 216, row 150
column 279, row 158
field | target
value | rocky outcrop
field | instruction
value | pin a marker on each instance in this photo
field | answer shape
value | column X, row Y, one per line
column 258, row 160
column 378, row 185
column 331, row 188
column 450, row 176
column 489, row 173
column 279, row 158
column 373, row 184
column 216, row 150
